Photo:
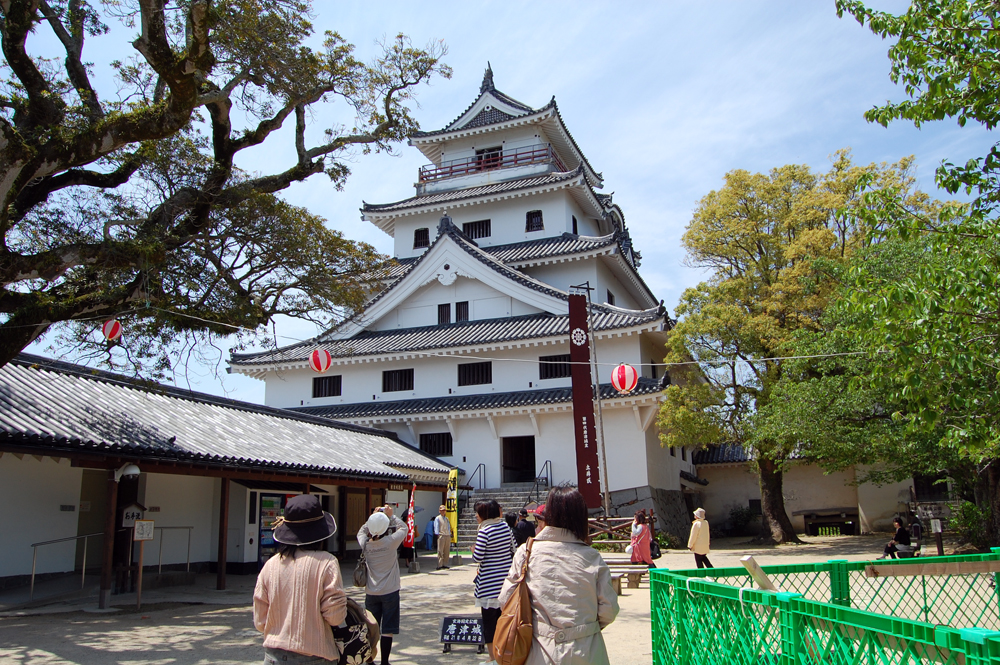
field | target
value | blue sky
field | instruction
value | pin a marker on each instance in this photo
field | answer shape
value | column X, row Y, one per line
column 663, row 97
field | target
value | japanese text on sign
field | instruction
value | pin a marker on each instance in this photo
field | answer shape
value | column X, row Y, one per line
column 462, row 629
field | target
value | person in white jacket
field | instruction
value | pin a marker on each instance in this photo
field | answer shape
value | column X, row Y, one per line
column 572, row 599
column 698, row 541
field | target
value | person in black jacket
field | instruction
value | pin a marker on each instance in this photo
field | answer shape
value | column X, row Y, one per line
column 900, row 543
column 523, row 529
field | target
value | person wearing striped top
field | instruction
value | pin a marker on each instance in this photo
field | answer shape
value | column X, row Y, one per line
column 494, row 552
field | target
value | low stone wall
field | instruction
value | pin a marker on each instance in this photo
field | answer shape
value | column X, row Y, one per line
column 671, row 511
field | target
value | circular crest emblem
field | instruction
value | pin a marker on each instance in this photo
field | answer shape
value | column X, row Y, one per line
column 578, row 336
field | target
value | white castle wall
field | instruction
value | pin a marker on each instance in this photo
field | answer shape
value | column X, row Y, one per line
column 34, row 490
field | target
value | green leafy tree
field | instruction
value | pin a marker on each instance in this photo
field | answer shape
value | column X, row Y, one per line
column 936, row 330
column 120, row 190
column 766, row 240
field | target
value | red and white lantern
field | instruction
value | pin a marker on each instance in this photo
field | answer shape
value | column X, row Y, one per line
column 112, row 330
column 320, row 360
column 624, row 378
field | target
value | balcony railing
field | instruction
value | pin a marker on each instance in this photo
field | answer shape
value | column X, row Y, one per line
column 537, row 154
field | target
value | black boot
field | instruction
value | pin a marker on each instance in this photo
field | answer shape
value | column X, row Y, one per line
column 385, row 646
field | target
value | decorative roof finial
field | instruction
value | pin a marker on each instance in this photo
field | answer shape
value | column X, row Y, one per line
column 487, row 79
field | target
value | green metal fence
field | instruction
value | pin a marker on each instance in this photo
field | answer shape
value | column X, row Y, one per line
column 827, row 613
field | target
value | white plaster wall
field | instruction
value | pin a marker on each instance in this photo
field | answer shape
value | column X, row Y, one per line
column 806, row 487
column 728, row 487
column 183, row 501
column 564, row 275
column 662, row 469
column 878, row 504
column 513, row 369
column 507, row 221
column 606, row 280
column 33, row 491
column 626, row 449
column 512, row 138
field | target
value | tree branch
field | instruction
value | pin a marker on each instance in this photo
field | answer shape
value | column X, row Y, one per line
column 75, row 69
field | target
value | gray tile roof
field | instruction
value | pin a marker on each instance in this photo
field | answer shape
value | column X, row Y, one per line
column 472, row 192
column 726, row 453
column 467, row 333
column 452, row 403
column 606, row 317
column 52, row 405
column 563, row 245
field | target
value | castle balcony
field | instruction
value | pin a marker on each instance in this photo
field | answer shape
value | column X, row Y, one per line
column 488, row 166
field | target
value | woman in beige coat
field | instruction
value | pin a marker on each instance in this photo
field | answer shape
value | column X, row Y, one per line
column 571, row 595
column 698, row 540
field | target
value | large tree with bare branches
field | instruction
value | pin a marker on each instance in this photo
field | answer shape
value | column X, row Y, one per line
column 121, row 194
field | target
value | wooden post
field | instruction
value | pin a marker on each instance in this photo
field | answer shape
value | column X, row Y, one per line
column 368, row 502
column 220, row 583
column 107, row 560
column 138, row 584
column 306, row 490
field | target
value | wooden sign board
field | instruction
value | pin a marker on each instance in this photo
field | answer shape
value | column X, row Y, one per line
column 758, row 574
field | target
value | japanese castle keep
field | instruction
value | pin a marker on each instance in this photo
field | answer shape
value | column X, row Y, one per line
column 464, row 352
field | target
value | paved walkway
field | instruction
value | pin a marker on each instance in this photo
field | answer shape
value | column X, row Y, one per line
column 196, row 625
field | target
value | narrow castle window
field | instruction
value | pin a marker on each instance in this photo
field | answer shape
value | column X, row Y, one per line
column 462, row 311
column 475, row 374
column 421, row 238
column 480, row 229
column 576, row 228
column 611, row 297
column 444, row 314
column 327, row 386
column 394, row 380
column 533, row 221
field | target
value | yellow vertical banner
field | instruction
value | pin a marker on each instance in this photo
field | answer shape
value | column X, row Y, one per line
column 451, row 503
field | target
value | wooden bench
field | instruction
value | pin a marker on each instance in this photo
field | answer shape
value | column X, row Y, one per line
column 616, row 582
column 633, row 573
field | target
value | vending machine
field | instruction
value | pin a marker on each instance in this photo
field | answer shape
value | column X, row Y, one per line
column 272, row 506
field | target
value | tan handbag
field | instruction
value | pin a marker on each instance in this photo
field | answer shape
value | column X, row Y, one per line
column 512, row 641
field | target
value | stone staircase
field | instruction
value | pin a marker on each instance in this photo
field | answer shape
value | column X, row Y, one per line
column 511, row 497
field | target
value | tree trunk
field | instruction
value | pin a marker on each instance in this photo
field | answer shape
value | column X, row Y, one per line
column 775, row 525
column 993, row 480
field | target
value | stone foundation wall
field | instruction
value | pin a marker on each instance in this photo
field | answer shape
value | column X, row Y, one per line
column 671, row 511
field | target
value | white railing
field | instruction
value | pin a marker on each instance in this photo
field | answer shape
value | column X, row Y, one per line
column 34, row 557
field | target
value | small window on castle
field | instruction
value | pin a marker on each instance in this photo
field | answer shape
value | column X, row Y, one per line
column 326, row 386
column 475, row 374
column 437, row 443
column 444, row 314
column 462, row 311
column 421, row 238
column 554, row 367
column 394, row 380
column 576, row 228
column 533, row 221
column 480, row 229
column 684, row 453
column 673, row 451
column 652, row 368
column 611, row 297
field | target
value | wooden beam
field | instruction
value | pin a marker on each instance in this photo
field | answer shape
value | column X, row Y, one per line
column 932, row 569
column 107, row 557
column 220, row 582
column 758, row 574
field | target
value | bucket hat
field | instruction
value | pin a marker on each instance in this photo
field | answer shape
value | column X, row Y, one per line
column 378, row 523
column 700, row 513
column 304, row 522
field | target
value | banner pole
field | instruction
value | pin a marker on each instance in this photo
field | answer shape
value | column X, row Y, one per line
column 597, row 398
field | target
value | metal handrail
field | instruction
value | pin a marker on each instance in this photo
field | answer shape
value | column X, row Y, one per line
column 464, row 495
column 545, row 474
column 159, row 559
column 533, row 154
column 34, row 558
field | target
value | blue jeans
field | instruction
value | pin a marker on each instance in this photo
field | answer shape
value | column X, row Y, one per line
column 282, row 657
column 385, row 611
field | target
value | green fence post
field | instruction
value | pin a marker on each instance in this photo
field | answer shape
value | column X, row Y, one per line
column 840, row 583
column 996, row 578
column 682, row 649
column 791, row 629
column 659, row 613
column 981, row 647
